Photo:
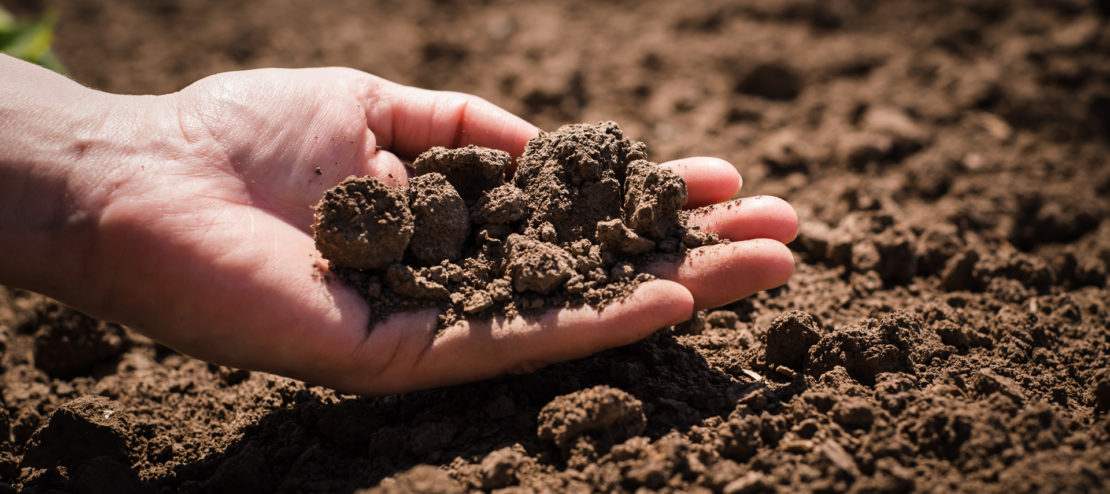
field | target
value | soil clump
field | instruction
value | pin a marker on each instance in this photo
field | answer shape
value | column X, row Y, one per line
column 583, row 212
column 347, row 235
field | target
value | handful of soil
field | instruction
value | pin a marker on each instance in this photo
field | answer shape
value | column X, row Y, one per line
column 583, row 212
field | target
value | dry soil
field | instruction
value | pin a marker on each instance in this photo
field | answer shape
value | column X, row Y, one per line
column 946, row 329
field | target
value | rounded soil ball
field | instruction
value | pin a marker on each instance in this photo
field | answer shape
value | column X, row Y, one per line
column 440, row 217
column 363, row 223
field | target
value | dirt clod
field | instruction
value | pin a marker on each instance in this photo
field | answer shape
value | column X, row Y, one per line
column 600, row 409
column 498, row 469
column 750, row 483
column 440, row 220
column 363, row 223
column 78, row 431
column 573, row 176
column 502, row 204
column 789, row 338
column 613, row 236
column 472, row 170
column 854, row 413
column 895, row 343
column 653, row 197
column 537, row 266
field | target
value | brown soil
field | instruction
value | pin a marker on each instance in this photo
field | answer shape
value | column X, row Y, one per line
column 947, row 328
column 348, row 235
column 553, row 238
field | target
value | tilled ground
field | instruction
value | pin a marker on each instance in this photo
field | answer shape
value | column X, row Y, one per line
column 946, row 329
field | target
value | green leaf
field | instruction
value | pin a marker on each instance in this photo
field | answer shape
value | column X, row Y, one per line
column 6, row 19
column 30, row 41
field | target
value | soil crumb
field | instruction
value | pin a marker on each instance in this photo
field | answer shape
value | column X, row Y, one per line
column 584, row 211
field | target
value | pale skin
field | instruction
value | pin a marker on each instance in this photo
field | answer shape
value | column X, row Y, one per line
column 188, row 217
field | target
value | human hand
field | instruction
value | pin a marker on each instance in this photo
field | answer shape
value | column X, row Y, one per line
column 205, row 243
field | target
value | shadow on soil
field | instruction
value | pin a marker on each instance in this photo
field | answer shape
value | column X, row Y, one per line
column 357, row 442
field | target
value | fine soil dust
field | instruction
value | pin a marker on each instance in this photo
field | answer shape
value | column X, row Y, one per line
column 946, row 328
column 554, row 237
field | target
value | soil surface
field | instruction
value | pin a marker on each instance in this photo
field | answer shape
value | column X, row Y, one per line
column 947, row 328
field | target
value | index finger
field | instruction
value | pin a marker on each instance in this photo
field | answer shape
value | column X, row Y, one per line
column 409, row 121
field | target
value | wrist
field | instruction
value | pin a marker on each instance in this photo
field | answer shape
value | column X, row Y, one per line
column 64, row 152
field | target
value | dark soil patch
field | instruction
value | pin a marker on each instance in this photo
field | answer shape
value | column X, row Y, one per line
column 946, row 328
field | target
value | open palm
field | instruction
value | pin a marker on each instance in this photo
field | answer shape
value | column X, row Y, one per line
column 211, row 250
